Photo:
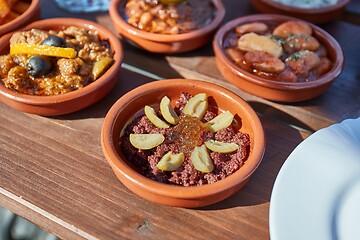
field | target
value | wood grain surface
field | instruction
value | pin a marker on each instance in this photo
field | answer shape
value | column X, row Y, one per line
column 53, row 171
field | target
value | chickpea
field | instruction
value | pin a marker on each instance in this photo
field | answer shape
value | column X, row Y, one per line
column 162, row 14
column 171, row 22
column 158, row 26
column 145, row 20
column 133, row 20
column 256, row 27
column 174, row 30
column 264, row 62
column 142, row 14
column 300, row 42
column 144, row 6
column 292, row 28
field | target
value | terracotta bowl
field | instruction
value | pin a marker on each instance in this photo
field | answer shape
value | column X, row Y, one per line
column 134, row 101
column 31, row 14
column 71, row 101
column 165, row 43
column 314, row 15
column 270, row 89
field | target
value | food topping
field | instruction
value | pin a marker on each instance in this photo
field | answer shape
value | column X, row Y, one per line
column 38, row 66
column 190, row 151
column 23, row 48
column 54, row 41
column 221, row 147
column 151, row 115
column 287, row 52
column 197, row 106
column 201, row 159
column 168, row 112
column 170, row 161
column 169, row 16
column 101, row 66
column 55, row 62
column 188, row 133
column 146, row 141
column 221, row 121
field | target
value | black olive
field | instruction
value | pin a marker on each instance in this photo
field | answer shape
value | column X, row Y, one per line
column 38, row 66
column 54, row 41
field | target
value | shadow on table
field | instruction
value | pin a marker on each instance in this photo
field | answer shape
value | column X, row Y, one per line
column 127, row 81
column 281, row 140
column 280, row 116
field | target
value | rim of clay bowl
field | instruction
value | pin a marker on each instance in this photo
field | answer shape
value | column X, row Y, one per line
column 325, row 38
column 306, row 11
column 53, row 99
column 157, row 37
column 173, row 191
column 23, row 18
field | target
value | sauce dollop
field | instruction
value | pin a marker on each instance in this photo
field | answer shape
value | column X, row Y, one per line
column 188, row 133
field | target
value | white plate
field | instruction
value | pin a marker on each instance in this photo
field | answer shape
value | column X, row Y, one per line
column 314, row 192
column 348, row 214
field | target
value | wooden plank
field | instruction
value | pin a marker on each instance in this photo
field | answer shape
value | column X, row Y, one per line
column 54, row 174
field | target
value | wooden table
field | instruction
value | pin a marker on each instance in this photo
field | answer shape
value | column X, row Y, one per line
column 53, row 172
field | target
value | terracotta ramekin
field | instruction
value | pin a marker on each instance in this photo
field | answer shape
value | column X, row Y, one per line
column 276, row 90
column 124, row 110
column 75, row 100
column 31, row 14
column 314, row 15
column 165, row 43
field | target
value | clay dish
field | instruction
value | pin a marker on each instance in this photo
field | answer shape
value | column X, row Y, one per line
column 314, row 15
column 165, row 43
column 271, row 89
column 71, row 101
column 31, row 14
column 124, row 110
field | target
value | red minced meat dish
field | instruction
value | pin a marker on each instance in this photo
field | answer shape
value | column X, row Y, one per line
column 146, row 161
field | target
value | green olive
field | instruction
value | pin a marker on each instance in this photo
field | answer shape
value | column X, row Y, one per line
column 171, row 1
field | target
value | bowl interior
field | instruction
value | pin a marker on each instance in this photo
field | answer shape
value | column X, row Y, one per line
column 115, row 14
column 334, row 51
column 150, row 94
column 60, row 24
